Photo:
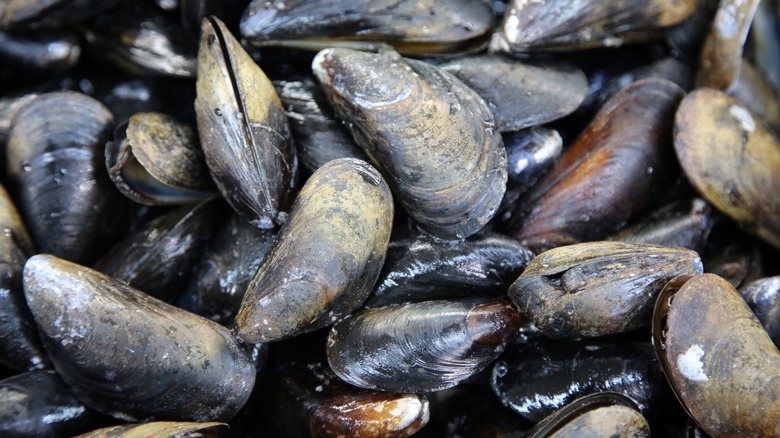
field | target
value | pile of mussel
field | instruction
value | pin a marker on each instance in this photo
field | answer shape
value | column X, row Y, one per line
column 330, row 218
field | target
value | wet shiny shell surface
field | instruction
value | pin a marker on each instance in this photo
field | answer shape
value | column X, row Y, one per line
column 420, row 347
column 732, row 159
column 327, row 256
column 433, row 138
column 109, row 342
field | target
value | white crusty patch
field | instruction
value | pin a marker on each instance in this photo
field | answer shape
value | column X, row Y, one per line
column 690, row 364
column 744, row 117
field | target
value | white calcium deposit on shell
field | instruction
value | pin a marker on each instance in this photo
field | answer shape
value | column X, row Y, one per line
column 690, row 364
column 744, row 117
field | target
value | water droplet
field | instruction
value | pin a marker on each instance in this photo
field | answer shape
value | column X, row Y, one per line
column 501, row 369
column 650, row 170
column 26, row 167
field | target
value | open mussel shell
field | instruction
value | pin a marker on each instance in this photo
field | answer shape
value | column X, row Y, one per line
column 425, row 268
column 732, row 159
column 432, row 137
column 763, row 297
column 227, row 264
column 243, row 129
column 157, row 259
column 420, row 347
column 721, row 54
column 522, row 94
column 56, row 171
column 537, row 379
column 604, row 414
column 37, row 403
column 131, row 356
column 682, row 224
column 20, row 348
column 327, row 256
column 598, row 288
column 717, row 357
column 159, row 429
column 411, row 26
column 319, row 135
column 614, row 170
column 575, row 24
column 155, row 160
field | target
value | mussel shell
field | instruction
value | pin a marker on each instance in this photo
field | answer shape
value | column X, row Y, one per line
column 159, row 429
column 601, row 414
column 555, row 25
column 327, row 256
column 243, row 129
column 530, row 154
column 757, row 94
column 432, row 137
column 598, row 288
column 718, row 359
column 319, row 135
column 227, row 264
column 522, row 94
column 56, row 170
column 157, row 259
column 721, row 55
column 763, row 297
column 413, row 27
column 132, row 356
column 670, row 69
column 425, row 268
column 732, row 159
column 20, row 348
column 538, row 379
column 420, row 347
column 155, row 160
column 614, row 170
column 48, row 52
column 684, row 224
column 26, row 13
column 38, row 404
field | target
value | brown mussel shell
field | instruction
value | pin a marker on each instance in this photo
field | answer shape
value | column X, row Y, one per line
column 534, row 25
column 719, row 360
column 420, row 347
column 432, row 137
column 732, row 159
column 614, row 170
column 413, row 27
column 243, row 129
column 56, row 170
column 155, row 160
column 159, row 429
column 598, row 288
column 603, row 414
column 721, row 54
column 131, row 356
column 326, row 258
column 522, row 94
column 757, row 94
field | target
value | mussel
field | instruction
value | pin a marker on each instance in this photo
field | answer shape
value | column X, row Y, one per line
column 598, row 288
column 732, row 159
column 243, row 129
column 326, row 258
column 131, row 356
column 420, row 347
column 433, row 138
column 763, row 297
column 159, row 429
column 721, row 363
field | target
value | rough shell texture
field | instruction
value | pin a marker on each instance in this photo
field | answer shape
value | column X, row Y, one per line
column 598, row 288
column 720, row 361
column 732, row 159
column 159, row 429
column 327, row 256
column 243, row 129
column 129, row 355
column 432, row 138
column 420, row 347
